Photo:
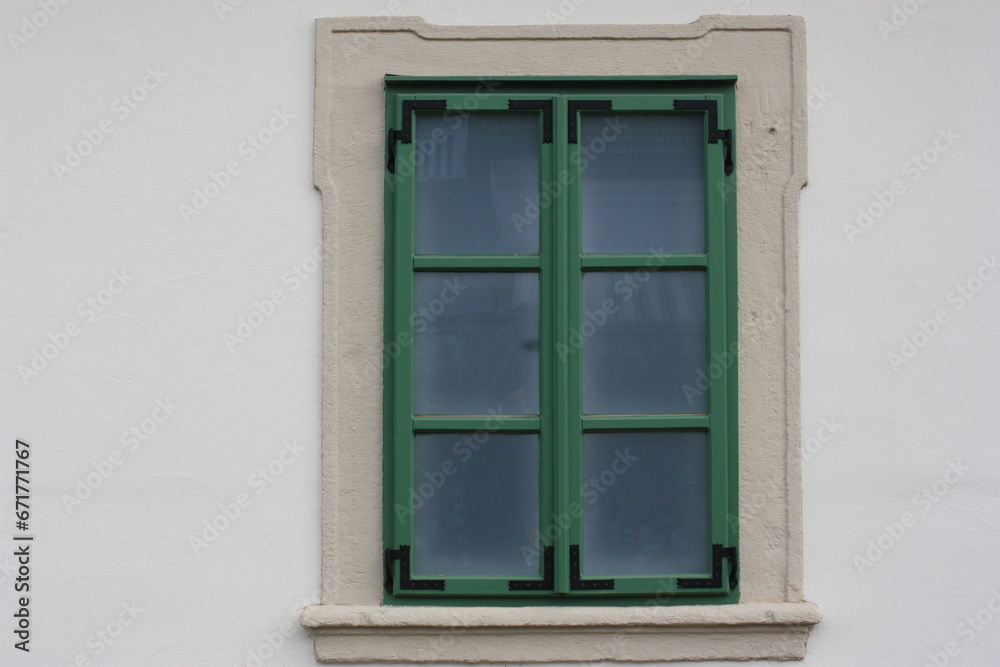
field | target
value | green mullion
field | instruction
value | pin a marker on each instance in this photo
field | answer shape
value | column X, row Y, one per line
column 563, row 428
column 572, row 291
column 644, row 422
column 547, row 437
column 477, row 262
column 470, row 423
column 719, row 361
column 651, row 261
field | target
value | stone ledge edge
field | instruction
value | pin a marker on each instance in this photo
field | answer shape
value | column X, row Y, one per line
column 355, row 617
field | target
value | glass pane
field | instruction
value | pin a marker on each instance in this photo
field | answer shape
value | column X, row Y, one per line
column 644, row 345
column 477, row 183
column 476, row 343
column 645, row 499
column 474, row 503
column 643, row 183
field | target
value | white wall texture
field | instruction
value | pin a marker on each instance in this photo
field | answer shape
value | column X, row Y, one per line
column 156, row 401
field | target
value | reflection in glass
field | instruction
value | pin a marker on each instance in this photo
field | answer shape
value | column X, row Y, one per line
column 644, row 344
column 476, row 183
column 476, row 343
column 645, row 499
column 475, row 504
column 643, row 186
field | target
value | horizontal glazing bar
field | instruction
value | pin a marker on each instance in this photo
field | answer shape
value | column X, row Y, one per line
column 443, row 424
column 644, row 422
column 652, row 262
column 476, row 262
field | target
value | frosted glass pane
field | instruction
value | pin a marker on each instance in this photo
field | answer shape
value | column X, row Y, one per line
column 643, row 186
column 476, row 343
column 477, row 183
column 643, row 342
column 475, row 504
column 645, row 499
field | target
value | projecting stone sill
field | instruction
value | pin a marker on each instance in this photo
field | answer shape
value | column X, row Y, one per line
column 750, row 631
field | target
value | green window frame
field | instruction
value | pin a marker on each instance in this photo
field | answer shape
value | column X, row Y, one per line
column 561, row 264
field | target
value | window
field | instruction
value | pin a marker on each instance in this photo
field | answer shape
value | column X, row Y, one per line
column 356, row 621
column 561, row 273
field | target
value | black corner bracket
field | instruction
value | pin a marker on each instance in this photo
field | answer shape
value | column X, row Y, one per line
column 548, row 580
column 406, row 134
column 714, row 133
column 576, row 105
column 578, row 584
column 715, row 581
column 405, row 582
column 546, row 108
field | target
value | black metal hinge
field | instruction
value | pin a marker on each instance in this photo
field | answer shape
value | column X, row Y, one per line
column 714, row 133
column 576, row 105
column 402, row 554
column 578, row 584
column 715, row 581
column 406, row 134
column 546, row 108
column 548, row 580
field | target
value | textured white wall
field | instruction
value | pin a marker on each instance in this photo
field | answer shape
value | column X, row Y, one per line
column 159, row 304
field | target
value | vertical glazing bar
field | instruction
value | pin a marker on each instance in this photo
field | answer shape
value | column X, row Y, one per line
column 561, row 360
column 571, row 288
column 720, row 359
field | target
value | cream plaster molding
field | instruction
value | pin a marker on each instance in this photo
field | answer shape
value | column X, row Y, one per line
column 767, row 53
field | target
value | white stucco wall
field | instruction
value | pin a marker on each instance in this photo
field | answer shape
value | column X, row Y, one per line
column 909, row 440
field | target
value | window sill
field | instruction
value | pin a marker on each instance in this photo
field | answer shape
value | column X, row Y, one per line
column 752, row 631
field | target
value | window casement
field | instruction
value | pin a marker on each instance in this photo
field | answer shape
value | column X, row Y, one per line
column 560, row 276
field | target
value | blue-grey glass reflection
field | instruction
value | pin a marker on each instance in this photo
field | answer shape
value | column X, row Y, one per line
column 645, row 499
column 476, row 183
column 476, row 343
column 643, row 183
column 475, row 504
column 644, row 346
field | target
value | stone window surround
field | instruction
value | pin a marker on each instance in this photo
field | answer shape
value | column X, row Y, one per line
column 771, row 621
